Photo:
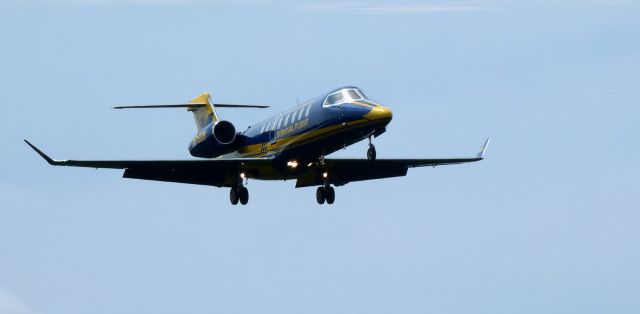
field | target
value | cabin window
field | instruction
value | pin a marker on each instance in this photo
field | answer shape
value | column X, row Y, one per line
column 352, row 94
column 307, row 113
column 343, row 96
column 335, row 99
column 362, row 95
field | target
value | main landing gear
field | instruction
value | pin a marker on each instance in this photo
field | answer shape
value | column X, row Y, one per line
column 325, row 193
column 371, row 152
column 239, row 193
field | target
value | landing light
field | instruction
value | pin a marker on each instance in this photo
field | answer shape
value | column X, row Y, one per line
column 325, row 175
column 292, row 164
column 242, row 175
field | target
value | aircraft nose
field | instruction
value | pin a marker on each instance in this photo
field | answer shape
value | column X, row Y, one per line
column 379, row 112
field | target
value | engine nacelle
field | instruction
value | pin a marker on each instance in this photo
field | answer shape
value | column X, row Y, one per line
column 217, row 139
column 224, row 132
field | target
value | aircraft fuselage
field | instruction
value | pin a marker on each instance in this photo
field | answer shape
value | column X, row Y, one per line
column 304, row 133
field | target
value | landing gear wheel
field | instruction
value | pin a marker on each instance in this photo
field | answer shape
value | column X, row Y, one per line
column 330, row 194
column 320, row 195
column 243, row 195
column 234, row 196
column 371, row 153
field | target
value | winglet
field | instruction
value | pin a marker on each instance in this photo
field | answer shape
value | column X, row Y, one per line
column 43, row 155
column 484, row 148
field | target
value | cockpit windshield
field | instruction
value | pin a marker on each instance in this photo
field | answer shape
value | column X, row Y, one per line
column 344, row 96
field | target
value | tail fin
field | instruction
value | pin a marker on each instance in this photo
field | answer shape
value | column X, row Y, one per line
column 203, row 115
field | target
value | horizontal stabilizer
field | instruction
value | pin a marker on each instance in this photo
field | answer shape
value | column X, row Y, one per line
column 190, row 106
column 239, row 106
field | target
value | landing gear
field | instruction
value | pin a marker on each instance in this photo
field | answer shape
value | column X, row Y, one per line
column 244, row 196
column 325, row 193
column 330, row 195
column 371, row 152
column 239, row 193
column 320, row 197
column 234, row 196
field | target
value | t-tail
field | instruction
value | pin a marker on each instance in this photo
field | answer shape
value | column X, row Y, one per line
column 214, row 136
column 204, row 113
column 202, row 106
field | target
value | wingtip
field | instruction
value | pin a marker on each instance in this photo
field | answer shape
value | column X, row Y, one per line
column 41, row 153
column 484, row 148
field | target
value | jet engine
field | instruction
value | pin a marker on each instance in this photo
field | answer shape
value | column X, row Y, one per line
column 219, row 138
column 224, row 132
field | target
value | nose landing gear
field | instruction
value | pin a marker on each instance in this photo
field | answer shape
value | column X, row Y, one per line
column 371, row 152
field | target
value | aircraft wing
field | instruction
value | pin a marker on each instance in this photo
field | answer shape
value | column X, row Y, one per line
column 224, row 172
column 215, row 172
column 343, row 171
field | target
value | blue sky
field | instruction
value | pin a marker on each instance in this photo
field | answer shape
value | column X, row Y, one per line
column 547, row 224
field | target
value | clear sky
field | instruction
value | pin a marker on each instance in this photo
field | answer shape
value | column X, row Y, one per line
column 549, row 223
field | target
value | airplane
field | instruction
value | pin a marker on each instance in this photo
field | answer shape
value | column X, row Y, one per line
column 291, row 145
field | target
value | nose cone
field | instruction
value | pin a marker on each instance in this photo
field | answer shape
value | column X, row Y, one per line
column 379, row 112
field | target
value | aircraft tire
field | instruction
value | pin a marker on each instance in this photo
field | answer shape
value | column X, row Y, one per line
column 234, row 196
column 244, row 195
column 371, row 153
column 320, row 195
column 330, row 195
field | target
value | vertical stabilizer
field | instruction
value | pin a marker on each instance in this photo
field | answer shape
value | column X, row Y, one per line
column 206, row 114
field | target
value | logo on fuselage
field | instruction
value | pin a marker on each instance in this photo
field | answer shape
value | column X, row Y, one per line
column 292, row 128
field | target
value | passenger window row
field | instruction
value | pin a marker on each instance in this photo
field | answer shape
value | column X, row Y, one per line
column 285, row 120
